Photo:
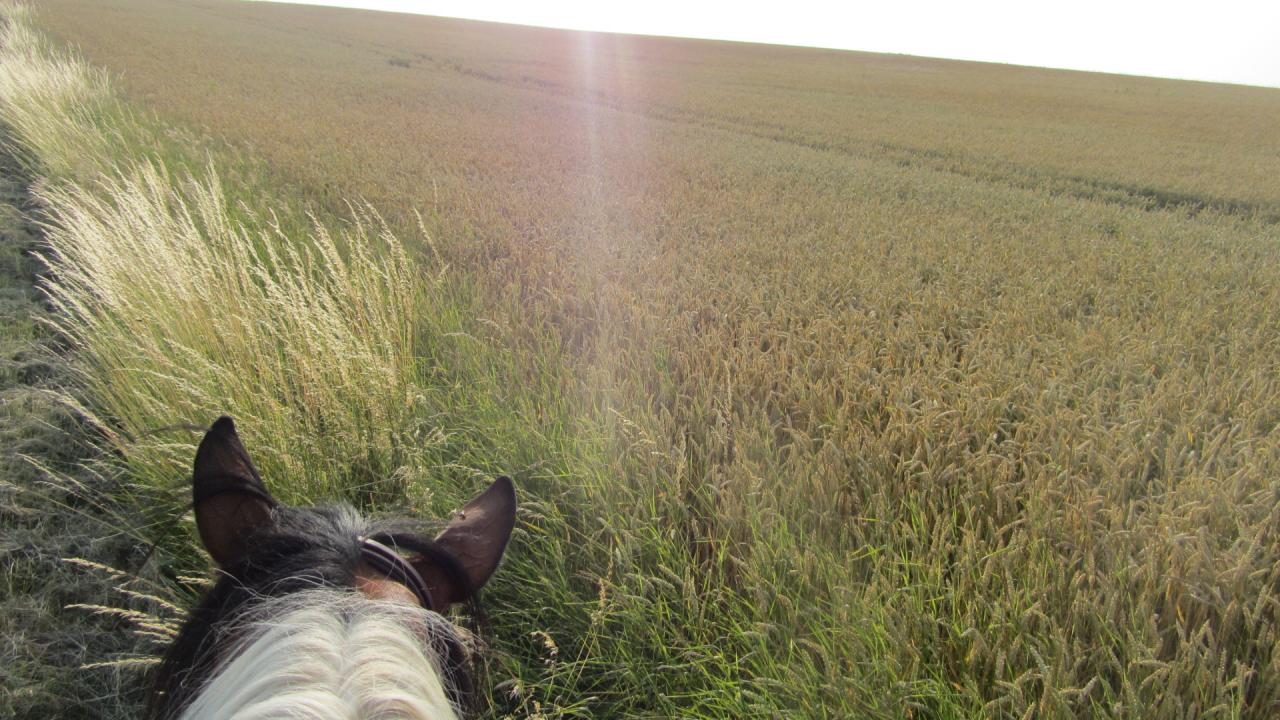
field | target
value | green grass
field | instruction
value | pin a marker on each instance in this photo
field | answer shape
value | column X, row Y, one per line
column 835, row 385
column 55, row 503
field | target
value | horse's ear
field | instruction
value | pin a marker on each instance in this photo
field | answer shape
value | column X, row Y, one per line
column 475, row 539
column 231, row 501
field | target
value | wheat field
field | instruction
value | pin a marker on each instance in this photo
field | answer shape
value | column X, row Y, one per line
column 834, row 384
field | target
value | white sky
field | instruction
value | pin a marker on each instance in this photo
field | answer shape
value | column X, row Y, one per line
column 1224, row 40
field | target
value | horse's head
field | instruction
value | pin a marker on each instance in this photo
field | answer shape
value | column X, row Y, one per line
column 283, row 564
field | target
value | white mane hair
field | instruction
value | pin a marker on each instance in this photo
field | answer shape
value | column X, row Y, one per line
column 332, row 654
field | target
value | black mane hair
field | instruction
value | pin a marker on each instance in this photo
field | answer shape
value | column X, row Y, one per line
column 305, row 548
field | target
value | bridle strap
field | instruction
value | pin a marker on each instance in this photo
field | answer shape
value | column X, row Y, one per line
column 390, row 563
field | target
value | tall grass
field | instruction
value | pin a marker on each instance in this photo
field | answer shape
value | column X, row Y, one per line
column 59, row 106
column 174, row 309
column 177, row 307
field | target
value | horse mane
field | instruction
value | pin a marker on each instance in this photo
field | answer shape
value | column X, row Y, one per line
column 332, row 654
column 309, row 553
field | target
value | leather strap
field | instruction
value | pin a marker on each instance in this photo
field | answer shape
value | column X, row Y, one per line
column 390, row 563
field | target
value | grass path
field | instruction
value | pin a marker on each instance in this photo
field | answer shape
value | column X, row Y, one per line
column 48, row 514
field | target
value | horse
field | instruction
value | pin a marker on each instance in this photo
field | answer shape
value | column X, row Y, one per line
column 320, row 613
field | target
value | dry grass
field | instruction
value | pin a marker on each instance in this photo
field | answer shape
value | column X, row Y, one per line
column 174, row 309
column 54, row 502
column 839, row 385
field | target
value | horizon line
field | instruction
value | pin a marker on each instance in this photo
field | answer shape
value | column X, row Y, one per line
column 340, row 5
